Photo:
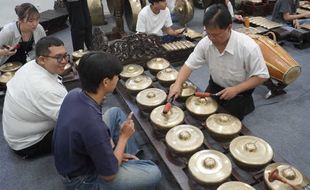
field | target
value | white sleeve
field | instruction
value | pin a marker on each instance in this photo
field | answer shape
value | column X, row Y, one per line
column 256, row 64
column 198, row 57
column 140, row 27
column 230, row 9
column 168, row 20
column 49, row 104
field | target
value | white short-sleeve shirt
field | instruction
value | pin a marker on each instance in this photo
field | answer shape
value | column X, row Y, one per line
column 151, row 23
column 10, row 35
column 31, row 105
column 241, row 59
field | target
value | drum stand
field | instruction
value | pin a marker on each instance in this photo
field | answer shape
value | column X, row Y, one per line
column 274, row 89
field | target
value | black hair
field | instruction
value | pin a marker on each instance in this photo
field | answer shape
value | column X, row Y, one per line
column 154, row 1
column 26, row 10
column 217, row 16
column 44, row 43
column 95, row 66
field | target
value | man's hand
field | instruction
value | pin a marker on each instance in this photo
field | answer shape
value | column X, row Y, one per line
column 128, row 128
column 174, row 91
column 8, row 50
column 127, row 157
column 296, row 24
column 238, row 18
column 228, row 93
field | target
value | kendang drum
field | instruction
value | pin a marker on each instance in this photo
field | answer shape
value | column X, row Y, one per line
column 282, row 67
column 275, row 173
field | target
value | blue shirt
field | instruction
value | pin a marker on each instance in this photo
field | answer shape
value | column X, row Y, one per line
column 81, row 141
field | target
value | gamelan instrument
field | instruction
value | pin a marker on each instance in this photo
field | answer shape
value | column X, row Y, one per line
column 189, row 33
column 6, row 77
column 209, row 167
column 223, row 126
column 131, row 70
column 76, row 55
column 235, row 185
column 184, row 139
column 201, row 108
column 96, row 12
column 167, row 76
column 131, row 9
column 188, row 89
column 264, row 22
column 10, row 67
column 282, row 67
column 251, row 152
column 165, row 121
column 178, row 45
column 138, row 83
column 282, row 176
column 157, row 64
column 184, row 11
column 150, row 98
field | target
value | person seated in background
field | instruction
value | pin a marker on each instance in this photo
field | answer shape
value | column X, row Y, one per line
column 154, row 19
column 284, row 11
column 33, row 99
column 18, row 39
column 93, row 151
column 230, row 8
column 236, row 64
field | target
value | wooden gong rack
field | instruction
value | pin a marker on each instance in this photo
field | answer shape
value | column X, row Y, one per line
column 176, row 164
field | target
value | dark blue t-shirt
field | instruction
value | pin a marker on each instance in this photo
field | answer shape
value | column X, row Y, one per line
column 81, row 141
column 284, row 6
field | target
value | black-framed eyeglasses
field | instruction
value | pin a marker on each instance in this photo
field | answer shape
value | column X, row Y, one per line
column 59, row 58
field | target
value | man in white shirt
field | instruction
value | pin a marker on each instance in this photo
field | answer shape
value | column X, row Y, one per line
column 154, row 18
column 33, row 99
column 235, row 61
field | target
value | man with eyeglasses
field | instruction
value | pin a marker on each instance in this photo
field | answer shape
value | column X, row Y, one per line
column 236, row 64
column 33, row 100
column 95, row 150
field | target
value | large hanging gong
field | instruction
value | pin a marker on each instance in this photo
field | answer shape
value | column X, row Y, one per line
column 96, row 12
column 184, row 11
column 132, row 9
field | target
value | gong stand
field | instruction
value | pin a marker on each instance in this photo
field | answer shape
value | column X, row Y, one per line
column 72, row 79
column 275, row 89
column 100, row 40
column 300, row 37
column 177, row 164
column 136, row 48
column 58, row 4
column 54, row 20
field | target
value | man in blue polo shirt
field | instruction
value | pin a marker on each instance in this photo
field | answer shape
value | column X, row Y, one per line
column 94, row 151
